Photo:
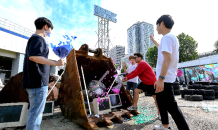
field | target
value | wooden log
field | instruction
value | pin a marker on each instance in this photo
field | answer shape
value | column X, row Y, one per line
column 135, row 112
column 119, row 118
column 90, row 126
column 127, row 113
column 108, row 122
column 93, row 126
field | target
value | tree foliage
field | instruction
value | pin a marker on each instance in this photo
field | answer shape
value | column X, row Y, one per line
column 187, row 48
column 116, row 66
column 151, row 56
column 122, row 70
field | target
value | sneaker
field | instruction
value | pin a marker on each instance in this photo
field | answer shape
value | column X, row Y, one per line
column 159, row 117
column 161, row 127
column 131, row 108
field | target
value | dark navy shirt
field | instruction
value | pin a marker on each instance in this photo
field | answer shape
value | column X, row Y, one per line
column 34, row 73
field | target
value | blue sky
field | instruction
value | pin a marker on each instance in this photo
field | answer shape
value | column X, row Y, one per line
column 197, row 18
column 73, row 17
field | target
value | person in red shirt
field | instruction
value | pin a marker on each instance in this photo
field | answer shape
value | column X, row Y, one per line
column 148, row 78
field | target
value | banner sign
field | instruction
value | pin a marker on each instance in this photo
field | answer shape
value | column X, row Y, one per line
column 98, row 11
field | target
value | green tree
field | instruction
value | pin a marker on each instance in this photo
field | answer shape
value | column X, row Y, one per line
column 187, row 48
column 151, row 56
column 216, row 46
column 115, row 65
column 122, row 70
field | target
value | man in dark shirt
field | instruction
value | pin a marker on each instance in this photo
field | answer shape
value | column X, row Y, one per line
column 36, row 72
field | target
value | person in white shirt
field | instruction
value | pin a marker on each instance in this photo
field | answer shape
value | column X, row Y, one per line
column 132, row 83
column 166, row 71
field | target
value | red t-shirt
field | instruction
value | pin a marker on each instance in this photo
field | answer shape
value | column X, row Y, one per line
column 145, row 73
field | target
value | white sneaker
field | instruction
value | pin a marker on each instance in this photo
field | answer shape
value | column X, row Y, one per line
column 131, row 108
column 161, row 127
column 159, row 117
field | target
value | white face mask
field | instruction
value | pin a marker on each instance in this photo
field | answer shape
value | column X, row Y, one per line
column 47, row 33
column 47, row 36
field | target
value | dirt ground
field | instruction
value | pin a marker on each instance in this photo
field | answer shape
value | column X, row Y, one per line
column 197, row 118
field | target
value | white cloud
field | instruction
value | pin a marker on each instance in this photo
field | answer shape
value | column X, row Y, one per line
column 195, row 18
column 24, row 12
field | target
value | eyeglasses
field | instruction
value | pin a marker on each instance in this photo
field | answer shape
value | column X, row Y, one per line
column 134, row 57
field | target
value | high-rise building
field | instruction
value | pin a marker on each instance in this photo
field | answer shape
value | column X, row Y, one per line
column 117, row 52
column 125, row 59
column 138, row 38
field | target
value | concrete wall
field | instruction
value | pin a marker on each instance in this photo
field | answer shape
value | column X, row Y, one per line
column 16, row 43
column 17, row 64
column 201, row 61
column 11, row 42
column 13, row 45
column 6, row 53
column 53, row 70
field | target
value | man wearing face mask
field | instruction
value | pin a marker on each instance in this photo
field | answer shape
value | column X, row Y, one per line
column 36, row 72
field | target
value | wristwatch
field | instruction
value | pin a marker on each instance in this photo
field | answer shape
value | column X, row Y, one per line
column 162, row 77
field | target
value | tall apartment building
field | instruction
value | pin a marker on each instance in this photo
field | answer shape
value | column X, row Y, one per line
column 125, row 59
column 138, row 38
column 117, row 52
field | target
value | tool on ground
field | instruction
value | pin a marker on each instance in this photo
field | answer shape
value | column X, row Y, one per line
column 86, row 90
column 94, row 85
column 55, row 83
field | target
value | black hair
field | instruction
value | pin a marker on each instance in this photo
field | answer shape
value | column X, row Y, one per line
column 52, row 79
column 167, row 19
column 138, row 54
column 42, row 21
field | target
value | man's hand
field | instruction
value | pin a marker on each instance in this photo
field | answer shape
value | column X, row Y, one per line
column 125, row 79
column 60, row 62
column 152, row 38
column 159, row 85
column 155, row 42
column 124, row 64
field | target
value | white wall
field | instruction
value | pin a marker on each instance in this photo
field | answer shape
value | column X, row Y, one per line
column 17, row 64
column 201, row 61
column 17, row 44
column 12, row 43
column 6, row 53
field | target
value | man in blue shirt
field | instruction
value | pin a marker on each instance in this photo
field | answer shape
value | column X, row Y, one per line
column 36, row 72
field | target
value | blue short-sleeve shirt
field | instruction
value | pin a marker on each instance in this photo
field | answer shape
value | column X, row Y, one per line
column 34, row 73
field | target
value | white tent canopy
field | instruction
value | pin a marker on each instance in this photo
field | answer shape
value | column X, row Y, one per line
column 202, row 61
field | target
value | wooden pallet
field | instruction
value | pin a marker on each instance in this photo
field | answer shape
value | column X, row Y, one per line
column 106, row 118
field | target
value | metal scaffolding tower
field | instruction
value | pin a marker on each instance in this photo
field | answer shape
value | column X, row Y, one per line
column 104, row 16
column 103, row 35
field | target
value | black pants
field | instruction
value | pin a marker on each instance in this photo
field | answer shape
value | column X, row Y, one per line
column 167, row 103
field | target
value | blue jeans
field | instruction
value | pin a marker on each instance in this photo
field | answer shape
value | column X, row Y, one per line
column 37, row 99
column 131, row 85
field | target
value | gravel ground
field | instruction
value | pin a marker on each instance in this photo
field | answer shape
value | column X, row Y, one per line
column 197, row 118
